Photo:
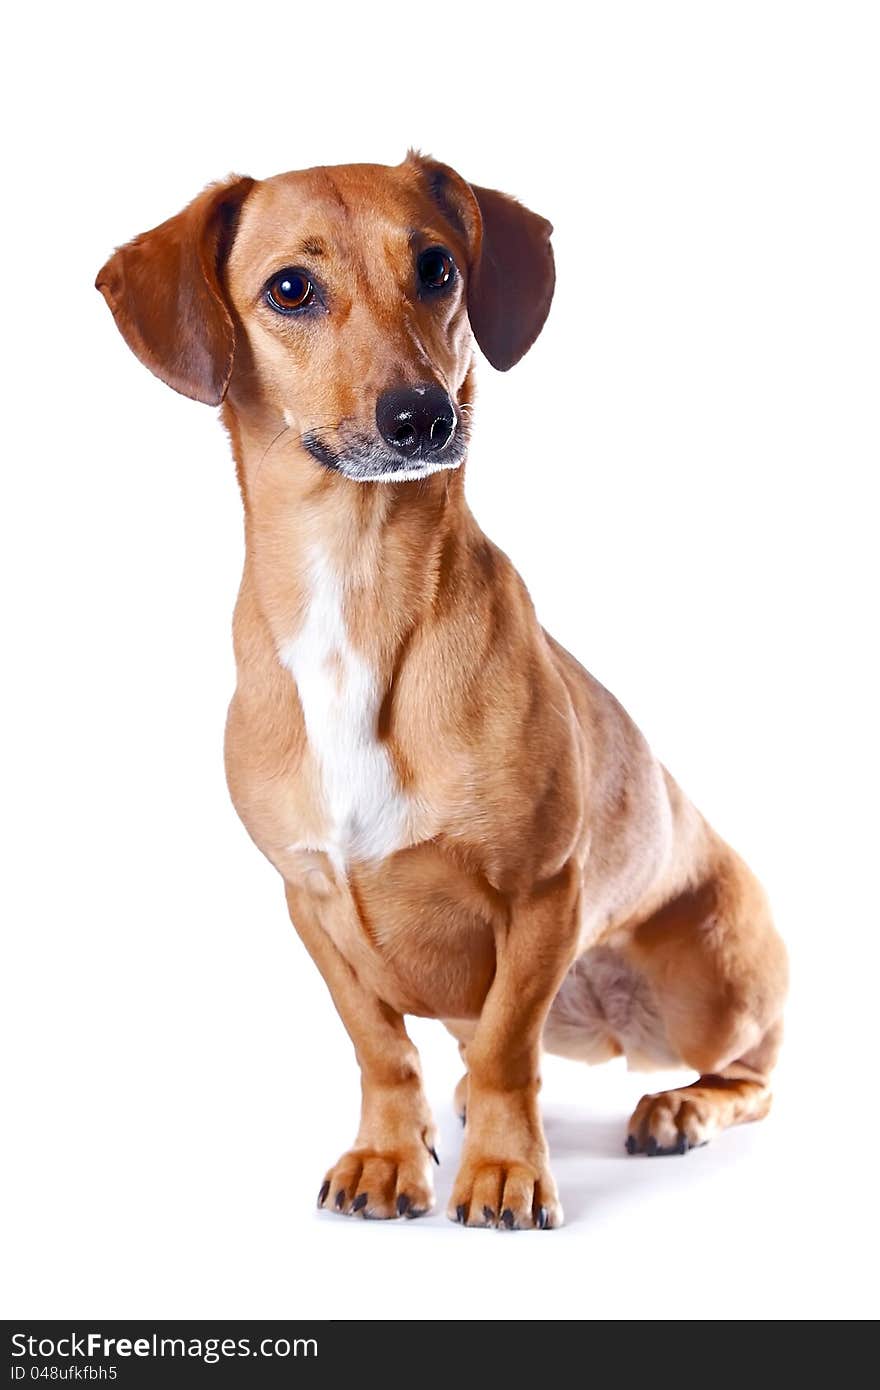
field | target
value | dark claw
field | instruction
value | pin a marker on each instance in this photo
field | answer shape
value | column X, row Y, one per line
column 460, row 1214
column 463, row 1118
column 433, row 1152
column 508, row 1218
column 489, row 1215
column 322, row 1195
column 413, row 1212
column 340, row 1199
column 359, row 1202
column 682, row 1145
column 402, row 1204
column 632, row 1144
column 652, row 1147
column 543, row 1220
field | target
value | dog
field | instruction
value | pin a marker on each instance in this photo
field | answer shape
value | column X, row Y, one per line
column 468, row 826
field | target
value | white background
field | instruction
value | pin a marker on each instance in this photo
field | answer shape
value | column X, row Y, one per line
column 685, row 471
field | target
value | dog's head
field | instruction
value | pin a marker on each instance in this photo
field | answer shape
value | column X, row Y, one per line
column 341, row 302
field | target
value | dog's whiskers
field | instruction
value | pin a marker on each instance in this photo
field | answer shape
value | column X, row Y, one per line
column 297, row 437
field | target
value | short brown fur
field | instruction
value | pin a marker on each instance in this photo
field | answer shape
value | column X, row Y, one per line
column 555, row 888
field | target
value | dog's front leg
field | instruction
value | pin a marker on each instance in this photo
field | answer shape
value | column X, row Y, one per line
column 504, row 1177
column 387, row 1171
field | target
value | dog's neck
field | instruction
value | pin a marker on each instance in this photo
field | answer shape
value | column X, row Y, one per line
column 386, row 547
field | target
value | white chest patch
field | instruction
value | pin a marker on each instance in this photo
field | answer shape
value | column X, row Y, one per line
column 369, row 816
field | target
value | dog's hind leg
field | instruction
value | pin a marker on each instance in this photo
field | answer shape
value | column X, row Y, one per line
column 719, row 973
column 675, row 1121
column 460, row 1098
column 463, row 1031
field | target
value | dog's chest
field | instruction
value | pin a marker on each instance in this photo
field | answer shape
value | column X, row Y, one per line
column 367, row 815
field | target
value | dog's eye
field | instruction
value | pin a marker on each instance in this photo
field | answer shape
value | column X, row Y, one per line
column 436, row 267
column 290, row 290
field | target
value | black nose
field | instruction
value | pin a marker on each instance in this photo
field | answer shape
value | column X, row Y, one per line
column 415, row 419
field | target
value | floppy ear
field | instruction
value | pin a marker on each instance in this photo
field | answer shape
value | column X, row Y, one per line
column 165, row 294
column 512, row 282
column 511, row 275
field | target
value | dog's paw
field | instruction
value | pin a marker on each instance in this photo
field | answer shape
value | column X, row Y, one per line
column 380, row 1185
column 671, row 1122
column 460, row 1099
column 513, row 1196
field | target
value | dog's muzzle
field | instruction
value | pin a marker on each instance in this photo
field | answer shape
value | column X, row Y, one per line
column 418, row 432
